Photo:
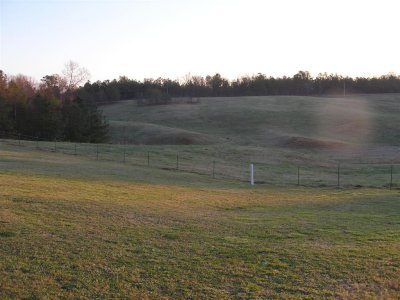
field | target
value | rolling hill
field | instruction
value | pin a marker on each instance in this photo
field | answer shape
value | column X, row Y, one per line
column 288, row 121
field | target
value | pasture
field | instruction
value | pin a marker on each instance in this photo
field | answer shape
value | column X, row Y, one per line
column 109, row 239
column 75, row 227
column 286, row 137
column 130, row 220
column 358, row 121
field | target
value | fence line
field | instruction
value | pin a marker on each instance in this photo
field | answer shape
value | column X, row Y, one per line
column 339, row 174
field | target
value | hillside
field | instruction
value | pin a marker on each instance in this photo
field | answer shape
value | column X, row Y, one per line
column 181, row 221
column 287, row 121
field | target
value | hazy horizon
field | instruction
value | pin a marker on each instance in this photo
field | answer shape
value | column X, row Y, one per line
column 154, row 38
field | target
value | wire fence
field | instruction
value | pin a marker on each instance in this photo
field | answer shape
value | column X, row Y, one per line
column 325, row 174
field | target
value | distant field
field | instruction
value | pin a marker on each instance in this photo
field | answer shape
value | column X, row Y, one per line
column 199, row 164
column 278, row 133
column 362, row 120
column 64, row 237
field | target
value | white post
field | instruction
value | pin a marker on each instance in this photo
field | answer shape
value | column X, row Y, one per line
column 251, row 174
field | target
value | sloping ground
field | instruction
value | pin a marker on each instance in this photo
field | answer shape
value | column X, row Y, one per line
column 299, row 142
column 207, row 164
column 152, row 134
column 74, row 238
column 364, row 120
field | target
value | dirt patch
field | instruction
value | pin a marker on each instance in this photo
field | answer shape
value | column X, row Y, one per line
column 180, row 138
column 314, row 144
column 6, row 216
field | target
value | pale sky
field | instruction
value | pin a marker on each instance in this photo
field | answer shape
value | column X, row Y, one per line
column 170, row 38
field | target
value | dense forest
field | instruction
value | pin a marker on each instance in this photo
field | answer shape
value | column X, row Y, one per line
column 64, row 107
column 51, row 110
column 302, row 83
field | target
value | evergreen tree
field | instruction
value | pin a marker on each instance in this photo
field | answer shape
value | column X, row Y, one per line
column 83, row 122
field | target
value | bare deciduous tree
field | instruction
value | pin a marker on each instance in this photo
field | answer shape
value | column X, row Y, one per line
column 74, row 75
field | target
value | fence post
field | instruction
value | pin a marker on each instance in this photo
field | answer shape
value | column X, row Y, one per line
column 177, row 160
column 19, row 139
column 391, row 176
column 148, row 158
column 97, row 151
column 124, row 152
column 55, row 146
column 251, row 174
column 338, row 175
column 298, row 176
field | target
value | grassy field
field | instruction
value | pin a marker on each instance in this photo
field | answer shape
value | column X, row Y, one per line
column 82, row 221
column 361, row 120
column 75, row 227
column 181, row 163
column 76, row 238
column 279, row 134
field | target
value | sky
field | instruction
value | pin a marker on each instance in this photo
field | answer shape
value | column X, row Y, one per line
column 172, row 38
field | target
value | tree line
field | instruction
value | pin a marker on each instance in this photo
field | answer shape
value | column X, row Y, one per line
column 64, row 107
column 50, row 110
column 302, row 83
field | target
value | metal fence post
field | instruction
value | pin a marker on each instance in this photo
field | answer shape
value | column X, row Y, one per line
column 338, row 175
column 251, row 174
column 124, row 152
column 298, row 176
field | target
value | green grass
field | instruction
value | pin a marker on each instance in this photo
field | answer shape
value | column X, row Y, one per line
column 27, row 159
column 88, row 224
column 279, row 134
column 260, row 121
column 79, row 238
column 193, row 164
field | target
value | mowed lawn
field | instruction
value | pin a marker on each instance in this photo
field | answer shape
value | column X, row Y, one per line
column 87, row 238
